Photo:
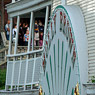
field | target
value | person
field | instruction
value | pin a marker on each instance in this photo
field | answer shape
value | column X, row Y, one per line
column 7, row 29
column 20, row 40
column 24, row 28
column 36, row 33
column 41, row 32
column 14, row 32
column 26, row 37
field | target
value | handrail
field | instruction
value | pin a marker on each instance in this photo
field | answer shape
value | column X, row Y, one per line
column 2, row 50
column 3, row 62
column 27, row 53
column 3, row 58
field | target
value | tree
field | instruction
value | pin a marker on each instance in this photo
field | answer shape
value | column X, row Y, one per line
column 2, row 15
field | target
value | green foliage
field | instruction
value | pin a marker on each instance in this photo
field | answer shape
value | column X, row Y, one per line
column 93, row 79
column 2, row 78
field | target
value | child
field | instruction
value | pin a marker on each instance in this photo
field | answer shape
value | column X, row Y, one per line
column 26, row 38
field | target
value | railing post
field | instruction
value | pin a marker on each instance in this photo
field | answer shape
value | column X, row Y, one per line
column 19, row 72
column 5, row 54
column 15, row 50
column 30, row 32
column 33, row 36
column 46, row 22
column 10, row 47
column 16, row 43
column 10, row 42
column 33, row 69
column 29, row 44
column 6, row 87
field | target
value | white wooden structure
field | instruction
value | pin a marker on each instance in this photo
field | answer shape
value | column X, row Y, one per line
column 88, row 10
column 26, row 69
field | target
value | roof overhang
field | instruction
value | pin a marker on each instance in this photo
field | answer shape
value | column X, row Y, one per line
column 26, row 6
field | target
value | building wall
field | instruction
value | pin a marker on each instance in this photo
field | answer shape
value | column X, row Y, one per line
column 88, row 9
column 4, row 14
column 55, row 4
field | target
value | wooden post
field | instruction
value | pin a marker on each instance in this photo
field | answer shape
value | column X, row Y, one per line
column 30, row 32
column 29, row 44
column 46, row 22
column 10, row 42
column 16, row 43
column 33, row 35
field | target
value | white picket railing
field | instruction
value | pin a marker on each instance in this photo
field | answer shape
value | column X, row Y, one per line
column 23, row 71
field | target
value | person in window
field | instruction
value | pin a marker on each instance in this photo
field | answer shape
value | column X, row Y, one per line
column 26, row 37
column 7, row 29
column 20, row 40
column 36, row 33
column 41, row 32
column 24, row 28
column 14, row 32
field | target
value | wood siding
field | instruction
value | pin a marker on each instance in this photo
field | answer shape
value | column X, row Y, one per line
column 88, row 9
column 55, row 4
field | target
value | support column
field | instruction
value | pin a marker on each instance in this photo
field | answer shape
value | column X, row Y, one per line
column 16, row 43
column 10, row 42
column 33, row 35
column 29, row 44
column 46, row 22
column 10, row 48
column 15, row 51
column 30, row 32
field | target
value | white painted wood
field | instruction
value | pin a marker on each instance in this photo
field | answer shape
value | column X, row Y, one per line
column 10, row 42
column 12, row 74
column 19, row 73
column 88, row 9
column 13, row 1
column 33, row 34
column 16, row 43
column 22, row 54
column 32, row 8
column 30, row 32
column 29, row 45
column 46, row 21
column 55, row 3
column 63, row 2
column 33, row 69
column 25, row 3
column 26, row 73
column 90, row 88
